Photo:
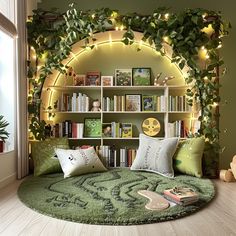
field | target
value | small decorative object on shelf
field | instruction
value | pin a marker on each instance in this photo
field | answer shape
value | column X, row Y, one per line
column 96, row 105
column 123, row 77
column 141, row 76
column 93, row 78
column 133, row 102
column 164, row 81
column 148, row 102
column 157, row 78
column 107, row 80
column 70, row 75
column 92, row 127
column 151, row 126
column 79, row 80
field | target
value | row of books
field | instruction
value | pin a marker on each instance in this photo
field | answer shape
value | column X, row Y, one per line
column 114, row 104
column 68, row 129
column 177, row 129
column 148, row 103
column 113, row 157
column 76, row 102
column 117, row 130
column 178, row 103
column 181, row 195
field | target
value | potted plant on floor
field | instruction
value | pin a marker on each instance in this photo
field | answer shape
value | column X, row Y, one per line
column 3, row 133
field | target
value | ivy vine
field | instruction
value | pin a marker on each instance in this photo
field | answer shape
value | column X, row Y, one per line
column 52, row 34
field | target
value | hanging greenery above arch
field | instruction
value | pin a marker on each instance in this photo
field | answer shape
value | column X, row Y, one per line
column 192, row 33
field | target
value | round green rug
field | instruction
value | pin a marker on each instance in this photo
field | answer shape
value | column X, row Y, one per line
column 108, row 198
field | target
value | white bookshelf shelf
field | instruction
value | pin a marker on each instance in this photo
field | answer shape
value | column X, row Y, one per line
column 134, row 112
column 85, row 138
column 134, row 87
column 134, row 117
column 179, row 112
column 74, row 88
column 74, row 112
column 111, row 138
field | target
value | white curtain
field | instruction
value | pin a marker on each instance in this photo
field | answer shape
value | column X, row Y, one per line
column 22, row 134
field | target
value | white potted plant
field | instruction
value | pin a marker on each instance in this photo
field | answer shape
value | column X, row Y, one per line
column 3, row 133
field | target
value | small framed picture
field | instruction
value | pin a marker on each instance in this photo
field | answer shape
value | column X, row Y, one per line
column 93, row 78
column 107, row 80
column 133, row 102
column 141, row 76
column 148, row 103
column 92, row 127
column 79, row 80
column 123, row 77
column 126, row 130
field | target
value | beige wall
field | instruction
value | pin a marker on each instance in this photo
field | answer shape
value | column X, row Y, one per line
column 7, row 168
column 228, row 95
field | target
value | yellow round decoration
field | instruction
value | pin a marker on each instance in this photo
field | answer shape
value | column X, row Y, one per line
column 151, row 126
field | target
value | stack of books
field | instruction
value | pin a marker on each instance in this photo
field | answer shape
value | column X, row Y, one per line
column 181, row 195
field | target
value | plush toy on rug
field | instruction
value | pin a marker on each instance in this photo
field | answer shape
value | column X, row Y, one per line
column 233, row 166
column 230, row 174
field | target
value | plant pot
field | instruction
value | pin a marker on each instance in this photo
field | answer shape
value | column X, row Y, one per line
column 1, row 146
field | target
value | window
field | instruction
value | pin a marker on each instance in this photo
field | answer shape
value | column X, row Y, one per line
column 8, row 77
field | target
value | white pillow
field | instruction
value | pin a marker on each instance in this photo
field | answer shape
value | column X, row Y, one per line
column 155, row 155
column 78, row 162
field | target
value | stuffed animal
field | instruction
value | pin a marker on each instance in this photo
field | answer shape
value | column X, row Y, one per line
column 230, row 174
column 96, row 106
column 233, row 166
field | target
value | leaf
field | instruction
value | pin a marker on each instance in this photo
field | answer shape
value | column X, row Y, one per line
column 182, row 64
column 194, row 19
column 177, row 162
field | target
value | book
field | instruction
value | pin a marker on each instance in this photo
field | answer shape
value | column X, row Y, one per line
column 181, row 194
column 182, row 203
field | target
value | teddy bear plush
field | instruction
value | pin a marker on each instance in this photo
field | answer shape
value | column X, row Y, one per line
column 230, row 174
column 96, row 106
column 233, row 166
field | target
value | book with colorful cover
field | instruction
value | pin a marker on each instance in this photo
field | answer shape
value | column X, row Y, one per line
column 182, row 203
column 181, row 194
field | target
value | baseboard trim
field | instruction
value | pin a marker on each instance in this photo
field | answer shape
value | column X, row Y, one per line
column 9, row 179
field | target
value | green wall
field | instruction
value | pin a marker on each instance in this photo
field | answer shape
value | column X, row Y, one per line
column 228, row 95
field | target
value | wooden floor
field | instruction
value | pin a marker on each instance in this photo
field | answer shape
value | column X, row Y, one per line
column 218, row 218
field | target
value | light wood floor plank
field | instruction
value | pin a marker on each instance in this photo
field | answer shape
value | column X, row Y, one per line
column 218, row 218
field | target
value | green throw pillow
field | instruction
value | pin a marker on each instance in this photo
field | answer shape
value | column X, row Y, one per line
column 43, row 155
column 188, row 157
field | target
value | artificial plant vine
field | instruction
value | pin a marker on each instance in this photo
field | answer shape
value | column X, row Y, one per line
column 52, row 35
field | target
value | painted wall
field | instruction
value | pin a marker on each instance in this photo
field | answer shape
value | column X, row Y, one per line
column 228, row 95
column 7, row 168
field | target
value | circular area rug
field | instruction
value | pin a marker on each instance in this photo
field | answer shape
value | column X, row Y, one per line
column 109, row 198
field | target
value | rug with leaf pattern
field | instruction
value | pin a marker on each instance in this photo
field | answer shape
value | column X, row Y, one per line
column 108, row 198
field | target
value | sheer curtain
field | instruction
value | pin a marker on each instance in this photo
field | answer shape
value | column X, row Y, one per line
column 22, row 130
column 12, row 16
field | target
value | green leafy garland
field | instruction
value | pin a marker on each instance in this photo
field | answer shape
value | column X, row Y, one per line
column 52, row 34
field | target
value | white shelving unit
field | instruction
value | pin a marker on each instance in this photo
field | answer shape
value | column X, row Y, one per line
column 124, row 116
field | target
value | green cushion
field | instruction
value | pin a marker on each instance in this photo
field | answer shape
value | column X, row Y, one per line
column 188, row 156
column 43, row 155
